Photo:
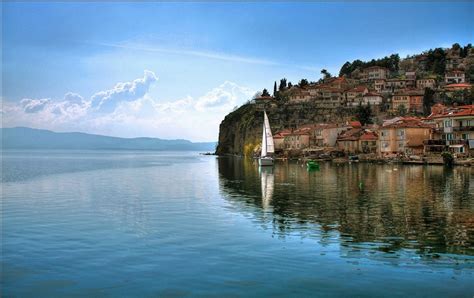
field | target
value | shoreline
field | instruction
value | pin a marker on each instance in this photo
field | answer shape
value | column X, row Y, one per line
column 466, row 162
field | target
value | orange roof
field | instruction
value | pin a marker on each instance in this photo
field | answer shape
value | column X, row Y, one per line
column 360, row 88
column 408, row 123
column 459, row 85
column 352, row 134
column 355, row 124
column 369, row 136
column 461, row 111
column 372, row 94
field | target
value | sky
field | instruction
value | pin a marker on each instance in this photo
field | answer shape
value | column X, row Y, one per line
column 174, row 70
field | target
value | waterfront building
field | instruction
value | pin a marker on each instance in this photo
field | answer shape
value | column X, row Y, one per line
column 403, row 135
column 454, row 130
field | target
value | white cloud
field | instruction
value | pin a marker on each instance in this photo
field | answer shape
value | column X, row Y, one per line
column 34, row 105
column 106, row 101
column 127, row 110
column 226, row 96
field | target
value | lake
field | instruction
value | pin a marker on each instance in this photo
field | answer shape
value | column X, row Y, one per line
column 178, row 224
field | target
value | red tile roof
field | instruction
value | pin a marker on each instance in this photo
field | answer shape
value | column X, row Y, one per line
column 369, row 136
column 408, row 122
column 461, row 111
column 355, row 124
column 459, row 85
column 360, row 88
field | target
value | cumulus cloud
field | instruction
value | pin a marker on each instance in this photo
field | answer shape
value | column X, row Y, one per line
column 128, row 110
column 106, row 101
column 34, row 105
column 225, row 96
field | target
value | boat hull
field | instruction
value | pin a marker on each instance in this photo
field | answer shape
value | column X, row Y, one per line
column 265, row 161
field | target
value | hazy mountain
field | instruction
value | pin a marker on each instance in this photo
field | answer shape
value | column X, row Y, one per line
column 29, row 138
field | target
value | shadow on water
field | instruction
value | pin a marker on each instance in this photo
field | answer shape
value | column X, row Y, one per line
column 381, row 208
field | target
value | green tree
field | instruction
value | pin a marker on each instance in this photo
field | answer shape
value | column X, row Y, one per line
column 345, row 69
column 290, row 85
column 428, row 101
column 303, row 83
column 436, row 61
column 325, row 74
column 364, row 114
column 402, row 110
column 275, row 89
column 283, row 85
column 265, row 92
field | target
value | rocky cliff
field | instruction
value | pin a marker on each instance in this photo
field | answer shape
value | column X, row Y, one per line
column 241, row 131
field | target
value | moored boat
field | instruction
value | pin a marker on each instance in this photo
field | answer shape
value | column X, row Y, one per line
column 268, row 148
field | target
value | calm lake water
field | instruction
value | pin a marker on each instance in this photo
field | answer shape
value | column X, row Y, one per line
column 174, row 224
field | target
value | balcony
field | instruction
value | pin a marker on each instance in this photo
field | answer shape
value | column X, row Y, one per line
column 448, row 130
column 463, row 128
column 434, row 142
column 457, row 142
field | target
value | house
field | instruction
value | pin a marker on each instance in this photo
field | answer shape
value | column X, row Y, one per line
column 263, row 101
column 348, row 141
column 454, row 77
column 396, row 84
column 298, row 95
column 410, row 75
column 278, row 139
column 379, row 85
column 325, row 135
column 368, row 142
column 329, row 97
column 426, row 83
column 338, row 83
column 454, row 130
column 400, row 99
column 354, row 95
column 376, row 73
column 372, row 98
column 412, row 100
column 297, row 139
column 403, row 135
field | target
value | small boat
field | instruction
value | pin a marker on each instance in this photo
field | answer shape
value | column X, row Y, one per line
column 268, row 148
column 312, row 165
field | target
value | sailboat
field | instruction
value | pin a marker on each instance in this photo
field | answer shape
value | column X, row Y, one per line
column 268, row 148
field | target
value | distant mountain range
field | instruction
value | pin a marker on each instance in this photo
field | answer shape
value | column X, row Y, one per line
column 30, row 138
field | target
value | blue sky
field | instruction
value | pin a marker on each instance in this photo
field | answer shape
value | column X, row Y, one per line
column 174, row 70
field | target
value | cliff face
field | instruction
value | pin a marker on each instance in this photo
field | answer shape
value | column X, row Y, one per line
column 241, row 130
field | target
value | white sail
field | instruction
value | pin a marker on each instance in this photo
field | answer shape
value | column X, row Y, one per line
column 264, row 141
column 267, row 138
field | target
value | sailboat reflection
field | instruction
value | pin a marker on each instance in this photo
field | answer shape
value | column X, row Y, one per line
column 268, row 182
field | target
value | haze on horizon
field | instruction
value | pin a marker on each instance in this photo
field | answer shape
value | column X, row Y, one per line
column 174, row 70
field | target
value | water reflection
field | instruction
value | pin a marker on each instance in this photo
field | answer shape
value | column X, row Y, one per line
column 267, row 184
column 382, row 207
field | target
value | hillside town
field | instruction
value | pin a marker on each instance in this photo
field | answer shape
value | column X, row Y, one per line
column 413, row 109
